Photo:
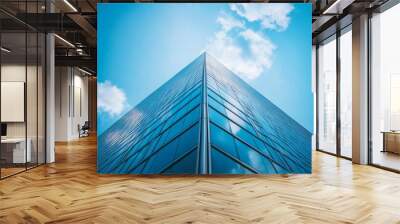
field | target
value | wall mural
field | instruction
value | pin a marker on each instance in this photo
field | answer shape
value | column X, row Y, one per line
column 204, row 88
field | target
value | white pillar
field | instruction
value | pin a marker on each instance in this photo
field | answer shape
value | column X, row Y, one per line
column 360, row 90
column 50, row 99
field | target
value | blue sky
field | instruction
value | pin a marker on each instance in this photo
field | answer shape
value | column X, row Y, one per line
column 140, row 46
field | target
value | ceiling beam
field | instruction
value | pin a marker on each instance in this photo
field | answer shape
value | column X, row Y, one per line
column 86, row 26
column 78, row 61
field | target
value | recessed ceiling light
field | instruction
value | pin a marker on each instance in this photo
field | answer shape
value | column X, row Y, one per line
column 64, row 40
column 5, row 50
column 70, row 5
column 337, row 7
column 84, row 71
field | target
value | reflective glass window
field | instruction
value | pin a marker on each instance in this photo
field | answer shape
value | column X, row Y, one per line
column 221, row 164
column 293, row 167
column 219, row 119
column 192, row 117
column 164, row 139
column 146, row 151
column 186, row 165
column 177, row 115
column 175, row 129
column 172, row 120
column 161, row 159
column 211, row 82
column 138, row 169
column 194, row 103
column 279, row 169
column 239, row 121
column 222, row 140
column 235, row 110
column 213, row 103
column 275, row 156
column 187, row 141
column 259, row 145
column 231, row 101
column 215, row 96
column 253, row 158
column 242, row 134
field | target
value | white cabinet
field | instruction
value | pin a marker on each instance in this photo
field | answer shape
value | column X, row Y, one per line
column 19, row 155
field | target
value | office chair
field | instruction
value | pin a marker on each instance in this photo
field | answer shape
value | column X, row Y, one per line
column 84, row 130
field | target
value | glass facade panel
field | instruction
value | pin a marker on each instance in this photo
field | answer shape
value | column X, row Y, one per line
column 221, row 164
column 192, row 117
column 224, row 130
column 253, row 158
column 254, row 123
column 223, row 140
column 243, row 134
column 217, row 106
column 186, row 165
column 187, row 141
column 179, row 100
column 159, row 161
column 219, row 119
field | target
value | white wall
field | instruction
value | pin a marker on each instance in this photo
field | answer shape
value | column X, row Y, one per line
column 10, row 73
column 71, row 102
column 17, row 73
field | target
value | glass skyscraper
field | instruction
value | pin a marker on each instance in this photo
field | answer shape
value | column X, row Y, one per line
column 205, row 120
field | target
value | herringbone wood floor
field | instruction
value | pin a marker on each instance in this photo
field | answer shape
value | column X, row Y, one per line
column 70, row 191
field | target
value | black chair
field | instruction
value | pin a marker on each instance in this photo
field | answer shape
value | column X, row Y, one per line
column 84, row 130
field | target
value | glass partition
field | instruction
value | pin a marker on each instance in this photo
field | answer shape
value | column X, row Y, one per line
column 327, row 95
column 13, row 109
column 346, row 93
column 385, row 89
column 22, row 88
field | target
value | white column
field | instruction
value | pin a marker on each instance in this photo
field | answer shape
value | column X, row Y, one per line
column 50, row 99
column 50, row 92
column 360, row 90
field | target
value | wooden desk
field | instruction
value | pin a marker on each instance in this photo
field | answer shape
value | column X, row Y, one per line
column 391, row 141
column 13, row 150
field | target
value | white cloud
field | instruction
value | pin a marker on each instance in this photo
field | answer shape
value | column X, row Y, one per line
column 111, row 99
column 271, row 16
column 225, row 47
column 227, row 22
column 261, row 48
